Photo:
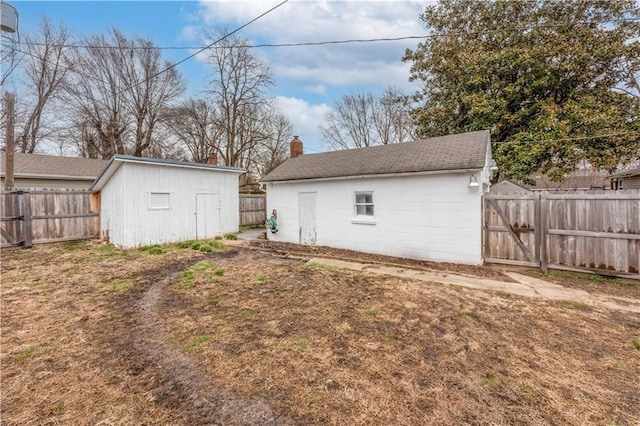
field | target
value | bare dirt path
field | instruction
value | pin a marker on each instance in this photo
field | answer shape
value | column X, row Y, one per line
column 181, row 381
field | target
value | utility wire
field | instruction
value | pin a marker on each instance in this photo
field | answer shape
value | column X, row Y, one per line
column 249, row 46
column 325, row 42
column 65, row 69
column 205, row 47
column 91, row 77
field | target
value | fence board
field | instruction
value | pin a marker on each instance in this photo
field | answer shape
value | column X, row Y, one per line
column 253, row 209
column 596, row 231
column 54, row 216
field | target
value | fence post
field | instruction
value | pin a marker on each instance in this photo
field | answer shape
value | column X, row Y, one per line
column 537, row 223
column 544, row 228
column 483, row 218
column 25, row 208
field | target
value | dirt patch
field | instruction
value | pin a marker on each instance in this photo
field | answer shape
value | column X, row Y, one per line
column 95, row 335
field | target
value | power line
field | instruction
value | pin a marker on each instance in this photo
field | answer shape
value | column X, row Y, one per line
column 165, row 69
column 224, row 37
column 325, row 42
column 249, row 46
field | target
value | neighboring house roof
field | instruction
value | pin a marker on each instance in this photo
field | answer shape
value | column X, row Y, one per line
column 631, row 173
column 580, row 179
column 117, row 160
column 508, row 187
column 37, row 166
column 465, row 151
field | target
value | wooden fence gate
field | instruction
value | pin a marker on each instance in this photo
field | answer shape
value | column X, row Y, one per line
column 42, row 216
column 588, row 231
column 15, row 227
column 253, row 210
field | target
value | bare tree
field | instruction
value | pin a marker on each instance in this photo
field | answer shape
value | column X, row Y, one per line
column 272, row 152
column 119, row 92
column 238, row 89
column 194, row 123
column 364, row 119
column 96, row 94
column 45, row 71
column 150, row 85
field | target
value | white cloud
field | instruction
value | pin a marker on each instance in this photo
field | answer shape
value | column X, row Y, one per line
column 190, row 32
column 337, row 66
column 306, row 120
column 318, row 89
column 375, row 75
column 311, row 78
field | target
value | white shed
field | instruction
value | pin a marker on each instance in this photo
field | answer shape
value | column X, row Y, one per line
column 146, row 201
column 420, row 200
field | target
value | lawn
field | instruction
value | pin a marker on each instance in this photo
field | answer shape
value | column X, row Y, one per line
column 196, row 334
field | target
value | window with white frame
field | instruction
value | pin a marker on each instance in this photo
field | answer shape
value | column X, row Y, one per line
column 364, row 204
column 159, row 200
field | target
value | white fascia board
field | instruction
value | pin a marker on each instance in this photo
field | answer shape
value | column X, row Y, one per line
column 173, row 163
column 56, row 177
column 117, row 161
column 382, row 175
column 105, row 175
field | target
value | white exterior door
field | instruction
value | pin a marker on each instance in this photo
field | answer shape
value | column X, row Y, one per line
column 207, row 215
column 307, row 211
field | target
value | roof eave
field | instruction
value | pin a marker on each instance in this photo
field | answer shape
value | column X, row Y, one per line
column 45, row 176
column 377, row 175
column 117, row 160
column 175, row 163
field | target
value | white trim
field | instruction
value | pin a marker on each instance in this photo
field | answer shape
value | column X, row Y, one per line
column 117, row 161
column 382, row 175
column 359, row 220
column 150, row 196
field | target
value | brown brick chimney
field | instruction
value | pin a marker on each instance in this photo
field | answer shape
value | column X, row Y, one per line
column 213, row 159
column 296, row 147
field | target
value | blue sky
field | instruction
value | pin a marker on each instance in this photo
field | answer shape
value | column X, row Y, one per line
column 308, row 79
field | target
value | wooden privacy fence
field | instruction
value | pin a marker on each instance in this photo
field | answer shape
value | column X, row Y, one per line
column 253, row 208
column 44, row 216
column 594, row 231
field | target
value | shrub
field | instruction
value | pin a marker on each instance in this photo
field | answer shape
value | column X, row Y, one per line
column 152, row 249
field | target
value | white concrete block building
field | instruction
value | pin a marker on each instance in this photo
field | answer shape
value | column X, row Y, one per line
column 420, row 200
column 146, row 201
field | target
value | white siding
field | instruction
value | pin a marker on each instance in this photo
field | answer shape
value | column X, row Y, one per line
column 431, row 217
column 129, row 222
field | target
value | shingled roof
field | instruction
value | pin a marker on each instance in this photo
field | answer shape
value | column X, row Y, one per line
column 49, row 166
column 465, row 151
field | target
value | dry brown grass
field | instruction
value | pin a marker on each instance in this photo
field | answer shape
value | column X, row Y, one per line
column 93, row 335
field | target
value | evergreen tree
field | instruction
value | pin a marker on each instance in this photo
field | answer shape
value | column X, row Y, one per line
column 554, row 81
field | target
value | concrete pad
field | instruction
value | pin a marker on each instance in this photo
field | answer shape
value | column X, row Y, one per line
column 525, row 285
column 454, row 279
column 341, row 264
column 251, row 234
column 549, row 290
